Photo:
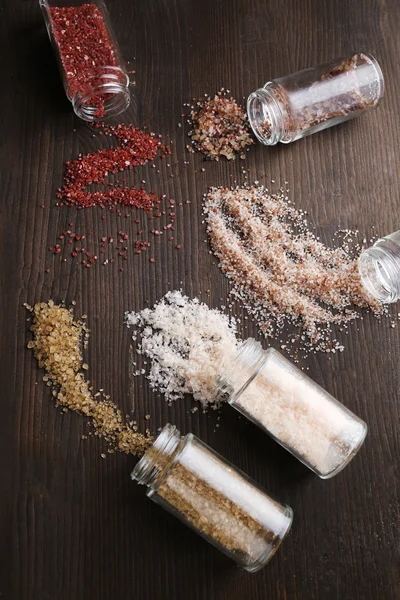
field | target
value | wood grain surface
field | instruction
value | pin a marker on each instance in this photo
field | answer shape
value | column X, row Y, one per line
column 73, row 525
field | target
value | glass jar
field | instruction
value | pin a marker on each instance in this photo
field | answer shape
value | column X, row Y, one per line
column 93, row 72
column 301, row 416
column 214, row 498
column 291, row 107
column 379, row 268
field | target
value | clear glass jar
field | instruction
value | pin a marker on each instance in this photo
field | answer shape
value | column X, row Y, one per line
column 379, row 268
column 214, row 498
column 291, row 107
column 92, row 69
column 301, row 416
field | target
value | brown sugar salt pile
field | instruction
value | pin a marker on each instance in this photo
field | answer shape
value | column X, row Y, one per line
column 57, row 345
column 279, row 269
column 220, row 127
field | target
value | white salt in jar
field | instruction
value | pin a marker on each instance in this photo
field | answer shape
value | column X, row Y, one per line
column 301, row 416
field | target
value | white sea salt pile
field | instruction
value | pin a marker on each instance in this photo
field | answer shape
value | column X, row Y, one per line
column 186, row 342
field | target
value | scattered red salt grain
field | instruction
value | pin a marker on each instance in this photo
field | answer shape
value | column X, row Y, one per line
column 135, row 148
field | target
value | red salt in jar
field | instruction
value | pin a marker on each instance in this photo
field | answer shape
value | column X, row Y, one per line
column 93, row 72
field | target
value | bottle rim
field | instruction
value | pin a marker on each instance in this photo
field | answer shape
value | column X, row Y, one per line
column 261, row 359
column 379, row 273
column 265, row 115
column 110, row 81
column 251, row 356
column 148, row 467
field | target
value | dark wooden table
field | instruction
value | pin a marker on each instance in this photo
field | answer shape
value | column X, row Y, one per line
column 73, row 525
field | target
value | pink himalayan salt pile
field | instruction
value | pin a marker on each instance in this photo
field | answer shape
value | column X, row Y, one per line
column 280, row 271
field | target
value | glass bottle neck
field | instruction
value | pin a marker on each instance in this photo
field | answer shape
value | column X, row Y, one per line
column 105, row 95
column 379, row 268
column 267, row 115
column 159, row 457
column 237, row 374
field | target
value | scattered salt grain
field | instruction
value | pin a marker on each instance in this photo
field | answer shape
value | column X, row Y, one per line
column 186, row 342
column 220, row 127
column 57, row 345
column 280, row 271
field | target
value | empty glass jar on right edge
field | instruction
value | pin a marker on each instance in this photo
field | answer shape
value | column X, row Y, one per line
column 379, row 268
column 291, row 107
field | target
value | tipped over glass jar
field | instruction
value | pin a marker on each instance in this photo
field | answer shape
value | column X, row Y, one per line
column 93, row 72
column 379, row 268
column 211, row 496
column 270, row 391
column 291, row 107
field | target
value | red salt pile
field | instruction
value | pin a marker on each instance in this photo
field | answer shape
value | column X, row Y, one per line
column 135, row 148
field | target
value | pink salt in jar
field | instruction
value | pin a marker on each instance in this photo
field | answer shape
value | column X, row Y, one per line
column 301, row 416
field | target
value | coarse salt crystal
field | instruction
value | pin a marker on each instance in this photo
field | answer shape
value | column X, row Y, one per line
column 186, row 342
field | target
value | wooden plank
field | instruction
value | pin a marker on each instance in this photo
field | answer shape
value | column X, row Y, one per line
column 73, row 525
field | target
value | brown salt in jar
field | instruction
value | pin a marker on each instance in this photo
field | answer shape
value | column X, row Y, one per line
column 93, row 72
column 291, row 107
column 214, row 498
